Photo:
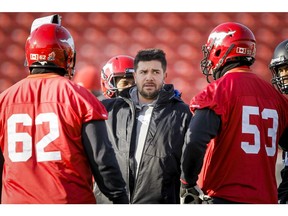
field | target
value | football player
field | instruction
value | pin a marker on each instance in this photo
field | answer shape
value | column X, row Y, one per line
column 279, row 70
column 116, row 75
column 239, row 119
column 53, row 133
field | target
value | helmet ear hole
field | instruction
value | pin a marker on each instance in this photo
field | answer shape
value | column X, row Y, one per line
column 218, row 52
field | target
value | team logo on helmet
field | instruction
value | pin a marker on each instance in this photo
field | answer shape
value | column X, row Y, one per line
column 51, row 56
column 69, row 41
column 219, row 36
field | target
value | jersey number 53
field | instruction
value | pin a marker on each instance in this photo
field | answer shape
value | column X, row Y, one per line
column 248, row 128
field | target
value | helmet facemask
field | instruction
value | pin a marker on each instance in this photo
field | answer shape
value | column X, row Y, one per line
column 205, row 64
column 111, row 82
column 70, row 71
column 282, row 83
column 278, row 80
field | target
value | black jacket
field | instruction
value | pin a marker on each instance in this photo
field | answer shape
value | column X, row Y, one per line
column 158, row 178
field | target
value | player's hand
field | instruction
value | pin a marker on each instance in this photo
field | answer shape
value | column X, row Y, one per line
column 191, row 195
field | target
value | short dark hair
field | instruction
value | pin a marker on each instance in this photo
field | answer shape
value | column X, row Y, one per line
column 149, row 55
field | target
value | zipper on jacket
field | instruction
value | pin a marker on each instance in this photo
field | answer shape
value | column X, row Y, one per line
column 144, row 149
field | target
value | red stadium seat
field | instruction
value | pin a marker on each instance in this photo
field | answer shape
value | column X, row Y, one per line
column 100, row 35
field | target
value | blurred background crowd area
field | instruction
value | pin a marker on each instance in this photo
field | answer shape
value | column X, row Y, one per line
column 98, row 36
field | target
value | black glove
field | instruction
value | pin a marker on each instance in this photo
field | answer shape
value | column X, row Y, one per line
column 193, row 195
column 282, row 201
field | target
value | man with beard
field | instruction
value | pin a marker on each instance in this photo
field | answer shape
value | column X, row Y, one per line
column 147, row 124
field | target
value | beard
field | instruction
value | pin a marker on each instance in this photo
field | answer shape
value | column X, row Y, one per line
column 149, row 94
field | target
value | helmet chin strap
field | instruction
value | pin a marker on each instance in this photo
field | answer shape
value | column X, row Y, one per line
column 219, row 64
column 69, row 76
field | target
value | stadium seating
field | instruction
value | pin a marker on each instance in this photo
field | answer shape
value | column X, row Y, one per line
column 99, row 36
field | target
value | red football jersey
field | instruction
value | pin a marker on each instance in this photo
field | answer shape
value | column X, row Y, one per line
column 239, row 164
column 40, row 135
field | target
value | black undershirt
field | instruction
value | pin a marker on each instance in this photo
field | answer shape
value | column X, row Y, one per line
column 203, row 127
